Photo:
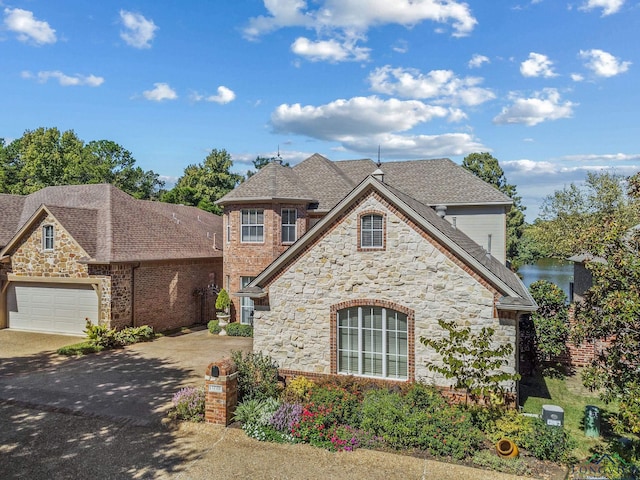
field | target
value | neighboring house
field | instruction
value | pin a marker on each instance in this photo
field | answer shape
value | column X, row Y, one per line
column 347, row 276
column 68, row 253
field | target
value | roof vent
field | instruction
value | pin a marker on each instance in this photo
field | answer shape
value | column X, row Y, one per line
column 378, row 175
column 441, row 210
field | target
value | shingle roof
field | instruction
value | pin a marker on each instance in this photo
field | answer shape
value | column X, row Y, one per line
column 10, row 211
column 431, row 182
column 488, row 265
column 112, row 226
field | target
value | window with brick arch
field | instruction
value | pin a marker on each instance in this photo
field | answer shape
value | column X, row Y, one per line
column 372, row 231
column 372, row 342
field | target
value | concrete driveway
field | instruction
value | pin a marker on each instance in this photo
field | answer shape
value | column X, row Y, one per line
column 132, row 385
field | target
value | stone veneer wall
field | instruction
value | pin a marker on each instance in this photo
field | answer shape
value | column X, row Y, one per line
column 413, row 272
column 164, row 291
column 29, row 259
column 249, row 259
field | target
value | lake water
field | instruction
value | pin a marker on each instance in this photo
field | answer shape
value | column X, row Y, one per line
column 559, row 272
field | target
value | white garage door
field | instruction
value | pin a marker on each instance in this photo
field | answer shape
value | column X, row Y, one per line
column 51, row 308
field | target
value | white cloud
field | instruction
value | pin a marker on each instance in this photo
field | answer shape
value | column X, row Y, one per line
column 359, row 16
column 604, row 157
column 576, row 77
column 543, row 106
column 66, row 80
column 138, row 31
column 478, row 60
column 329, row 50
column 602, row 63
column 401, row 46
column 160, row 92
column 225, row 95
column 361, row 123
column 442, row 85
column 538, row 65
column 28, row 28
column 608, row 6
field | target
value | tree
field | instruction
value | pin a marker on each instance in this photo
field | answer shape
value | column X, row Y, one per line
column 486, row 167
column 472, row 360
column 576, row 218
column 45, row 157
column 202, row 184
column 611, row 311
column 550, row 320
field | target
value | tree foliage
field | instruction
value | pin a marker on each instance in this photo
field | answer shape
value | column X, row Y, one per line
column 472, row 360
column 202, row 184
column 550, row 320
column 46, row 157
column 575, row 219
column 486, row 167
column 611, row 311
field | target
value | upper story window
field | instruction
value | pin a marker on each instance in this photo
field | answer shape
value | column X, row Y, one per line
column 372, row 231
column 47, row 237
column 228, row 228
column 252, row 226
column 289, row 217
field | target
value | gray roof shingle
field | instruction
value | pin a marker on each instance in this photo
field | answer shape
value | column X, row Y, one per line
column 10, row 211
column 431, row 182
column 112, row 226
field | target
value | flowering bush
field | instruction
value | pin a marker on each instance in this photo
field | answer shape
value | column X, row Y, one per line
column 188, row 404
column 343, row 407
column 286, row 416
column 298, row 389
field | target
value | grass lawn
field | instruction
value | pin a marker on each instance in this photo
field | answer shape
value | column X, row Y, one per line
column 573, row 397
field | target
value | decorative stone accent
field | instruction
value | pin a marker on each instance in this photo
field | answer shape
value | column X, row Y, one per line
column 221, row 392
column 414, row 272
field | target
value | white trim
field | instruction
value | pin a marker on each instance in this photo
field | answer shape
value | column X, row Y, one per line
column 45, row 237
column 250, row 212
column 294, row 225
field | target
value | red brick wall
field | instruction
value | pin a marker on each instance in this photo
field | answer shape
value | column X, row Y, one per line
column 164, row 292
column 250, row 259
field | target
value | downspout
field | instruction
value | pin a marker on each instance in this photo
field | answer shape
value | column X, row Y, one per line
column 133, row 293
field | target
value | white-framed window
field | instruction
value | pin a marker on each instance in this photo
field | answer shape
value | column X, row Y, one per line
column 372, row 231
column 47, row 237
column 246, row 303
column 372, row 342
column 229, row 228
column 289, row 217
column 252, row 226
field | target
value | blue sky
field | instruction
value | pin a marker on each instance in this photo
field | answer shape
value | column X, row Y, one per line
column 549, row 87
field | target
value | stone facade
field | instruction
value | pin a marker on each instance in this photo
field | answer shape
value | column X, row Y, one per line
column 413, row 274
column 249, row 259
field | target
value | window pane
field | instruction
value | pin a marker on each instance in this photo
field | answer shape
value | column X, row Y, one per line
column 377, row 318
column 377, row 222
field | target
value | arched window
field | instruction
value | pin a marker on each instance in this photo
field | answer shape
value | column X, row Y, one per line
column 372, row 231
column 373, row 342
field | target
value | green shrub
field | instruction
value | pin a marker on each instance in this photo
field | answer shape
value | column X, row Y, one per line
column 298, row 390
column 343, row 407
column 514, row 466
column 420, row 420
column 82, row 348
column 101, row 335
column 548, row 443
column 511, row 425
column 237, row 329
column 188, row 404
column 256, row 411
column 214, row 327
column 131, row 335
column 257, row 376
column 223, row 301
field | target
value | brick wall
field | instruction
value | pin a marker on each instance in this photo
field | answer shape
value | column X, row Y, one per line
column 250, row 259
column 164, row 291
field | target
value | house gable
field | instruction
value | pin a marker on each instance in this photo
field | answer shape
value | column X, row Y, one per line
column 415, row 273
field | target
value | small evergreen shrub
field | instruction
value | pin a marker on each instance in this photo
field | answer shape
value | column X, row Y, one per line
column 214, row 327
column 188, row 404
column 131, row 335
column 107, row 338
column 548, row 443
column 257, row 376
column 223, row 301
column 237, row 329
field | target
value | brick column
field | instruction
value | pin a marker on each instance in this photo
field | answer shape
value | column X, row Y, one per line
column 221, row 391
